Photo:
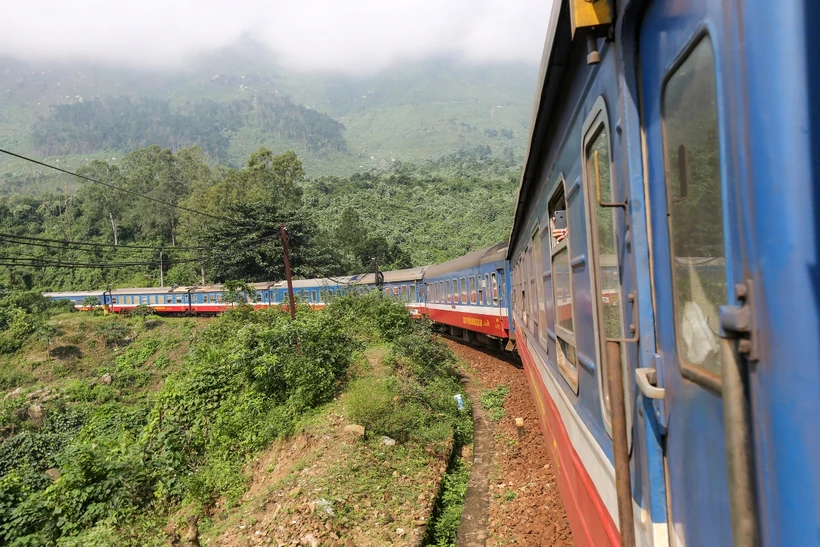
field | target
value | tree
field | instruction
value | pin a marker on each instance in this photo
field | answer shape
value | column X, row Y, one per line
column 48, row 332
column 100, row 201
column 274, row 179
column 238, row 292
column 250, row 247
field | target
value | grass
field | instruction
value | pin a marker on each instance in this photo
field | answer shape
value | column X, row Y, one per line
column 493, row 402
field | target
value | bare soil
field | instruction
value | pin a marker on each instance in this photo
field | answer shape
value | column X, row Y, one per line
column 525, row 507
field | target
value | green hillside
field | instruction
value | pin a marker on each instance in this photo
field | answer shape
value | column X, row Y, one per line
column 232, row 103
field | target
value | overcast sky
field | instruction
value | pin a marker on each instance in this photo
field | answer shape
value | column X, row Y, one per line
column 344, row 35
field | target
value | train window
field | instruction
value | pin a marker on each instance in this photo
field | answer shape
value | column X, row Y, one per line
column 463, row 290
column 455, row 291
column 692, row 166
column 494, row 288
column 258, row 296
column 314, row 295
column 604, row 247
column 179, row 299
column 442, row 292
column 537, row 285
column 472, row 289
column 562, row 287
column 412, row 294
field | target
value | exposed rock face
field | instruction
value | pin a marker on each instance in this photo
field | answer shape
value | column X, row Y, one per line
column 35, row 413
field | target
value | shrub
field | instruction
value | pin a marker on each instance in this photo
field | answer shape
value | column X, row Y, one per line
column 114, row 332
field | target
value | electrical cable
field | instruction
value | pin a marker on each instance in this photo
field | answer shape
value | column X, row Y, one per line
column 92, row 244
column 32, row 261
column 113, row 187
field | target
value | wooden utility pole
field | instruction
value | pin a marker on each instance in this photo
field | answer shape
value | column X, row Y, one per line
column 161, row 272
column 284, row 234
column 377, row 278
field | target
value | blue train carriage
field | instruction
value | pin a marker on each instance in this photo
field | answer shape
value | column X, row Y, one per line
column 469, row 295
column 317, row 293
column 403, row 286
column 82, row 300
column 160, row 299
column 681, row 146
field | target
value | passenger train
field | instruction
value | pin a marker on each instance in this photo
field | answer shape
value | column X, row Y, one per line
column 671, row 336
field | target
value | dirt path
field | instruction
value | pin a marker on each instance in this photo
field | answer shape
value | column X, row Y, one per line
column 517, row 487
column 472, row 529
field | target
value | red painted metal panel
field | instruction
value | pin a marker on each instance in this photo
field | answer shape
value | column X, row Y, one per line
column 588, row 517
column 493, row 325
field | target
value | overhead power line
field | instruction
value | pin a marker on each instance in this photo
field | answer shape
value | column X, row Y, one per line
column 92, row 244
column 44, row 262
column 114, row 187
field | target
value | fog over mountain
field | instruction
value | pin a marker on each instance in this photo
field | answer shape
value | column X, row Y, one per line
column 362, row 36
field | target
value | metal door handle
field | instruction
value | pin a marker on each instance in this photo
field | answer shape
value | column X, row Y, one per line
column 646, row 377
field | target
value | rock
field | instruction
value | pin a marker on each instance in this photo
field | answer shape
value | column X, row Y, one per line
column 106, row 379
column 310, row 539
column 467, row 452
column 354, row 430
column 387, row 441
column 324, row 506
column 14, row 393
column 349, row 543
column 400, row 532
column 53, row 472
column 35, row 413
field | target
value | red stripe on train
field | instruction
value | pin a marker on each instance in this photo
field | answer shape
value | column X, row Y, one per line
column 588, row 517
column 493, row 325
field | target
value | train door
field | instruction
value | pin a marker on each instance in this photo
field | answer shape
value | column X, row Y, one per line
column 684, row 107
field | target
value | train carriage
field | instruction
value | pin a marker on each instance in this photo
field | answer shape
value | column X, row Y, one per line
column 668, row 338
column 82, row 300
column 400, row 285
column 469, row 294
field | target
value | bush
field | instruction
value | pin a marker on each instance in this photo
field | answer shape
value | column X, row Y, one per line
column 114, row 332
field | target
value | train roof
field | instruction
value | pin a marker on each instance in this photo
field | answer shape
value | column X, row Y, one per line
column 316, row 282
column 72, row 293
column 153, row 290
column 476, row 258
column 394, row 276
column 553, row 64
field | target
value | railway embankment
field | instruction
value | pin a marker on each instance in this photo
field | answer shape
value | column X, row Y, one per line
column 518, row 500
column 247, row 429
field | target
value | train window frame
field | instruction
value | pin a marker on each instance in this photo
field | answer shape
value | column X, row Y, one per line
column 536, row 243
column 597, row 124
column 564, row 338
column 448, row 292
column 695, row 373
column 455, row 291
column 472, row 289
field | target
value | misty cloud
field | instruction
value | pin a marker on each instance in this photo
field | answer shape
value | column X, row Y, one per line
column 349, row 36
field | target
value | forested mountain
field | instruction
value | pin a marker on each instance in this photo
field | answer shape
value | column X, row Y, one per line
column 227, row 223
column 229, row 104
column 122, row 123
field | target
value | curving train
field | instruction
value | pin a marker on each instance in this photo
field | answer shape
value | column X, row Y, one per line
column 661, row 281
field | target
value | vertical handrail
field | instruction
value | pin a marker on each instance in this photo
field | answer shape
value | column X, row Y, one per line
column 620, row 442
column 739, row 449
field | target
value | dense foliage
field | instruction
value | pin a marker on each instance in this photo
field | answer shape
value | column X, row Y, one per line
column 408, row 215
column 121, row 123
column 243, row 385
